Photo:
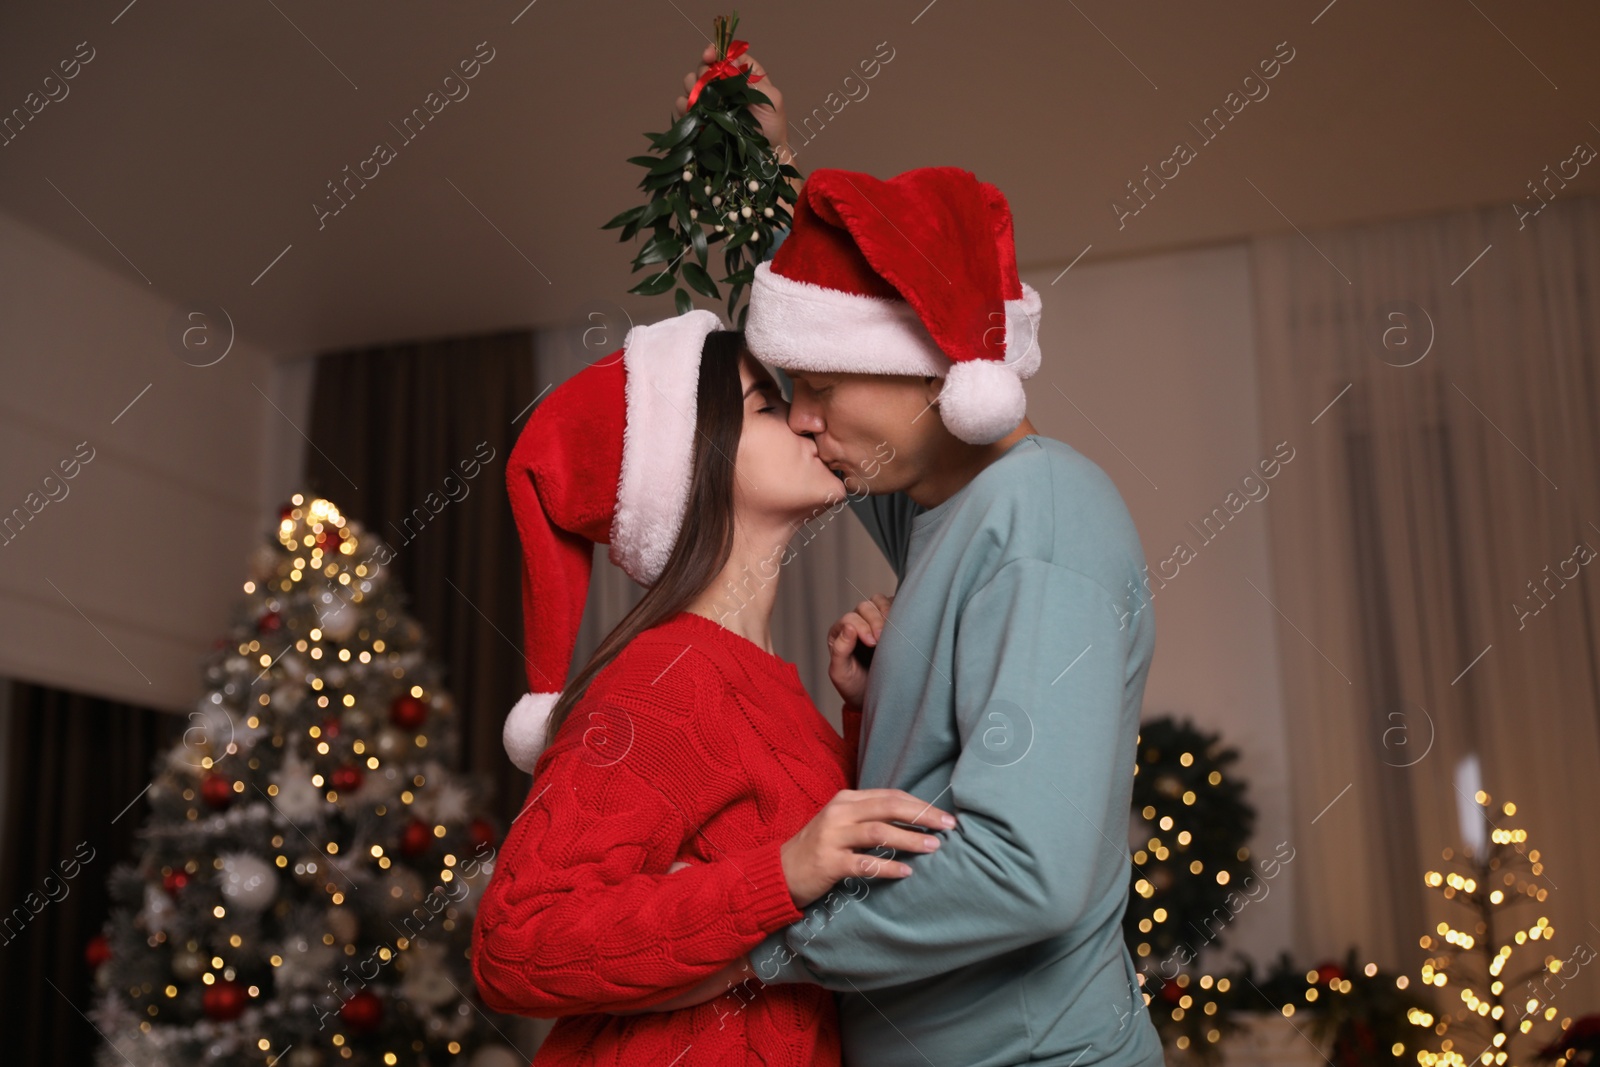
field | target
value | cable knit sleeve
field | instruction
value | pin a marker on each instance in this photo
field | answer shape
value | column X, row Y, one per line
column 580, row 915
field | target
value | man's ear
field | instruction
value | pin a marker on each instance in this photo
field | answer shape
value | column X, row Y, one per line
column 931, row 387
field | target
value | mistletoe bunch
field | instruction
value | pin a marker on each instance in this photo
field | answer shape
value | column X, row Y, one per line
column 714, row 179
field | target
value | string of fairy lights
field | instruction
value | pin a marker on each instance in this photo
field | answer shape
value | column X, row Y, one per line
column 1475, row 961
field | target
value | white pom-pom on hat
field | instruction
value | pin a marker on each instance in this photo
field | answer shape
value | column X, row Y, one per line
column 523, row 735
column 982, row 400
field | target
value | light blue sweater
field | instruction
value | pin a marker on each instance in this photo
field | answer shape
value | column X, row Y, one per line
column 1006, row 689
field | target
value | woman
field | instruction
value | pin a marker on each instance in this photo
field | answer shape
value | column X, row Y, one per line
column 691, row 799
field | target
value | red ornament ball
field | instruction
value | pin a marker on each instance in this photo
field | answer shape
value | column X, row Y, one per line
column 362, row 1012
column 481, row 833
column 97, row 951
column 408, row 712
column 269, row 623
column 416, row 838
column 286, row 512
column 346, row 779
column 216, row 790
column 224, row 1000
column 174, row 881
column 330, row 726
column 1329, row 972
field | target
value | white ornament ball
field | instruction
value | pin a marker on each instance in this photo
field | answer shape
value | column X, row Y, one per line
column 248, row 882
column 306, row 965
column 391, row 744
column 427, row 981
column 337, row 619
column 188, row 965
column 496, row 1056
column 212, row 727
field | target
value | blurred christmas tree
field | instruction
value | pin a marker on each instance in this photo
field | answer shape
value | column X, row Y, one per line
column 1356, row 1015
column 1193, row 872
column 1497, row 1002
column 310, row 865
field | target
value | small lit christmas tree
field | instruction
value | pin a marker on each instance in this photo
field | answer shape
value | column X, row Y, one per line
column 1497, row 1003
column 310, row 866
column 1192, row 873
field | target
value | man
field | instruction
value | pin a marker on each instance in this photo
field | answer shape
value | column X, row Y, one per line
column 1007, row 678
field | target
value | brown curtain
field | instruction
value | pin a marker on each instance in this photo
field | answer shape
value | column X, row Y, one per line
column 77, row 768
column 395, row 430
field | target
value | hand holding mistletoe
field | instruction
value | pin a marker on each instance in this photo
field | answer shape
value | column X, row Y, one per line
column 717, row 177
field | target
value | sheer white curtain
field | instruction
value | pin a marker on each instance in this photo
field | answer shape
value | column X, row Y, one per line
column 833, row 557
column 1439, row 379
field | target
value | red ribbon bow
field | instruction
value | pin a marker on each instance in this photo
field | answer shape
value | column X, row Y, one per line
column 724, row 68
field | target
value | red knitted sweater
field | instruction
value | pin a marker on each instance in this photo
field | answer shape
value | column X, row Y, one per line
column 693, row 744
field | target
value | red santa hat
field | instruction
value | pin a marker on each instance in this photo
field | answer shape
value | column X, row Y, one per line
column 914, row 275
column 605, row 459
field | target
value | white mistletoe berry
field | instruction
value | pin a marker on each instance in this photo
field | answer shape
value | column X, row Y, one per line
column 754, row 185
column 688, row 175
column 767, row 212
column 716, row 201
column 746, row 211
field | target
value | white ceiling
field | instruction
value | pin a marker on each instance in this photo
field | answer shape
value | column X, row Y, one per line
column 190, row 150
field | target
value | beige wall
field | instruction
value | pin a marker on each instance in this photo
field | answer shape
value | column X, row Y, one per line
column 119, row 586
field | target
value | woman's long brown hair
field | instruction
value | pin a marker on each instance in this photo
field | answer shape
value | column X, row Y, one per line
column 705, row 540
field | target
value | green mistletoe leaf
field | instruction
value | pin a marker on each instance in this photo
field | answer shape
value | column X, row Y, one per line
column 626, row 217
column 654, row 285
column 696, row 276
